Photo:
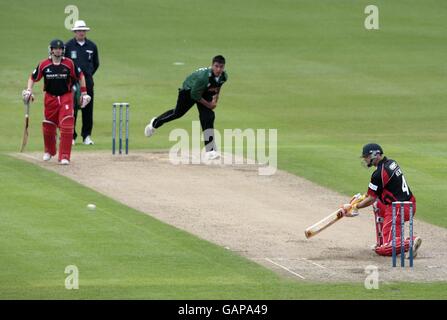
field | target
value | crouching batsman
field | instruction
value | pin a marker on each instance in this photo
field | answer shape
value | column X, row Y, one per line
column 387, row 185
column 59, row 74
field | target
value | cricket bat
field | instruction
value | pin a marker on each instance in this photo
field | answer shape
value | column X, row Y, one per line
column 323, row 224
column 25, row 132
column 330, row 219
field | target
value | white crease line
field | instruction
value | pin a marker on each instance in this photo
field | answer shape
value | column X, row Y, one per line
column 287, row 269
column 314, row 263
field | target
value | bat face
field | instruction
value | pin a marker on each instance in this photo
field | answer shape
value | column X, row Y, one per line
column 308, row 233
column 330, row 219
column 323, row 224
column 25, row 136
column 25, row 132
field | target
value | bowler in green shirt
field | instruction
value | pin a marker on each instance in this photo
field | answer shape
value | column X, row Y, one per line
column 202, row 87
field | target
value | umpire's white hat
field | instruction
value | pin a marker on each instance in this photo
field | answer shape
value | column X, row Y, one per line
column 80, row 25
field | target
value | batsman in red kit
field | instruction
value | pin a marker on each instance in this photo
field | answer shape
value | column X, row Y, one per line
column 387, row 185
column 59, row 74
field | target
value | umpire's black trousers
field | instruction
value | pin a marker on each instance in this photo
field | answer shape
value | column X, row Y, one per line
column 184, row 103
column 87, row 111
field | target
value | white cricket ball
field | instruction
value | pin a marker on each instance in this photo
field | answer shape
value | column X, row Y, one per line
column 91, row 206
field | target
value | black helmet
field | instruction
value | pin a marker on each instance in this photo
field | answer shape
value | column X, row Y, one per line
column 57, row 44
column 372, row 149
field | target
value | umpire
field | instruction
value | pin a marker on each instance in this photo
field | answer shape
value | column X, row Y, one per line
column 84, row 53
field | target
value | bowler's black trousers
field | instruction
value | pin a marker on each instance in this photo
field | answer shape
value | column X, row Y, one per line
column 184, row 103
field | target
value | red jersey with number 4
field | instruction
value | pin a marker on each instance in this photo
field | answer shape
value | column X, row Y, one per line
column 58, row 78
column 388, row 183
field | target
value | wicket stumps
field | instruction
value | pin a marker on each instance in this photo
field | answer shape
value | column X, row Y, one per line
column 120, row 105
column 402, row 205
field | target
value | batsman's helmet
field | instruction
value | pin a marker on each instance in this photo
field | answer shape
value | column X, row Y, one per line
column 373, row 150
column 56, row 44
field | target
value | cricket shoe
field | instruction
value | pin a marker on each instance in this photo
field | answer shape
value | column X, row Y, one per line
column 212, row 155
column 88, row 141
column 416, row 245
column 64, row 162
column 46, row 156
column 150, row 130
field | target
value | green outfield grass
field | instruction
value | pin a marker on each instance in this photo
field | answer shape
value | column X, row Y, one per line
column 123, row 253
column 307, row 68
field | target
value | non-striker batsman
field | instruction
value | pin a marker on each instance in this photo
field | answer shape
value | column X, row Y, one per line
column 59, row 74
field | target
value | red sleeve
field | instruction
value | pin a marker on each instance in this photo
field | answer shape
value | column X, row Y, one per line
column 75, row 72
column 371, row 193
column 37, row 74
column 80, row 75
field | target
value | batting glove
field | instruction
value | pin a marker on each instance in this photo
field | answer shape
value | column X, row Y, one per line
column 27, row 95
column 349, row 211
column 85, row 100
